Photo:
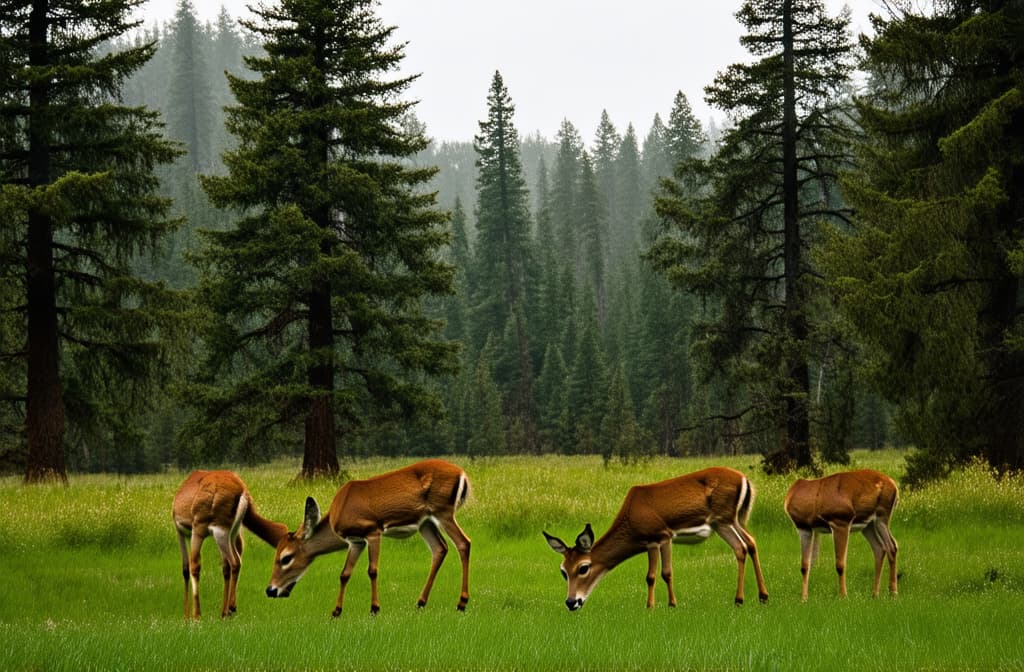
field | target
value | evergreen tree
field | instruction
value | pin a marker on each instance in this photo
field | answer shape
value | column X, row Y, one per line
column 78, row 202
column 655, row 157
column 587, row 387
column 748, row 214
column 552, row 400
column 592, row 236
column 503, row 218
column 684, row 137
column 621, row 436
column 337, row 245
column 459, row 255
column 484, row 419
column 630, row 198
column 605, row 155
column 503, row 254
column 189, row 112
column 930, row 272
column 564, row 197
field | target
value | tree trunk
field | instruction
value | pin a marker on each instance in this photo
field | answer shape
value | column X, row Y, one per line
column 44, row 416
column 320, row 457
column 797, row 448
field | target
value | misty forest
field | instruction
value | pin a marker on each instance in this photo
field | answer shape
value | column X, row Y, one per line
column 230, row 242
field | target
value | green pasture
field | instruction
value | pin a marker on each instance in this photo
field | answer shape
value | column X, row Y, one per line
column 92, row 580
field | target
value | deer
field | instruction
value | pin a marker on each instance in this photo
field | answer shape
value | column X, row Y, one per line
column 854, row 500
column 653, row 517
column 216, row 503
column 422, row 497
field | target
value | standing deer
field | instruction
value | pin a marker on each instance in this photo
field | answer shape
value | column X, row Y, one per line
column 854, row 500
column 422, row 497
column 217, row 503
column 682, row 510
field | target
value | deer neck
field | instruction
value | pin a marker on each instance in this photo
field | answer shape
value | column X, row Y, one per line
column 615, row 547
column 324, row 540
column 267, row 530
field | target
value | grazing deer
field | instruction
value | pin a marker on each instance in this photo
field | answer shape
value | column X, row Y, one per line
column 217, row 503
column 854, row 500
column 682, row 510
column 420, row 498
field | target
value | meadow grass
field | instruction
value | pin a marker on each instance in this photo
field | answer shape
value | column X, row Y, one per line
column 93, row 581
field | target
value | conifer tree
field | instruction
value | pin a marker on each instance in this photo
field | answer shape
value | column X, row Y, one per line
column 502, row 217
column 930, row 273
column 317, row 290
column 503, row 255
column 684, row 137
column 564, row 194
column 747, row 215
column 78, row 202
column 189, row 112
column 592, row 217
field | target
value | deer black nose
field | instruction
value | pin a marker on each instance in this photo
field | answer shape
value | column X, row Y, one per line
column 271, row 591
column 573, row 603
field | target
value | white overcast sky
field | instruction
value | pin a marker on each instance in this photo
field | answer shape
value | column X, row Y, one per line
column 560, row 59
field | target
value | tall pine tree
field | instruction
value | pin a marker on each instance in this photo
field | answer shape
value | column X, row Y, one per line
column 79, row 202
column 930, row 272
column 317, row 291
column 748, row 215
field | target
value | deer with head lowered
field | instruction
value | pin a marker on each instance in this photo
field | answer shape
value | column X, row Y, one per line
column 854, row 500
column 682, row 510
column 422, row 497
column 216, row 503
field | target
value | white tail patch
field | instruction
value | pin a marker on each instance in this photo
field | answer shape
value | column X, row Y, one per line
column 462, row 492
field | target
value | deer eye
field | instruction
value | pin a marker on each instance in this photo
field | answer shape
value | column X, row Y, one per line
column 286, row 559
column 583, row 570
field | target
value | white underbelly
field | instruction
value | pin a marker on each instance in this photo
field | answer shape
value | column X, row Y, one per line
column 691, row 535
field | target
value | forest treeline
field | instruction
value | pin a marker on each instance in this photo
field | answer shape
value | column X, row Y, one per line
column 231, row 241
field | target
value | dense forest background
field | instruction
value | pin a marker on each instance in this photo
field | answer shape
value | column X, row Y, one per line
column 592, row 313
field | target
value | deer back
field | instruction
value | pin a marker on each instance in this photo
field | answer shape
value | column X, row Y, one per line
column 853, row 496
column 399, row 498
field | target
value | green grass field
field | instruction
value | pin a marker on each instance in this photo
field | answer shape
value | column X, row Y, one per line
column 92, row 580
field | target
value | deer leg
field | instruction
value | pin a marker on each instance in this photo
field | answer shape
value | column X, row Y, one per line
column 748, row 538
column 355, row 549
column 462, row 545
column 841, row 537
column 373, row 545
column 652, row 573
column 195, row 566
column 438, row 551
column 183, row 545
column 229, row 565
column 739, row 549
column 236, row 570
column 807, row 544
column 666, row 571
column 891, row 549
column 873, row 535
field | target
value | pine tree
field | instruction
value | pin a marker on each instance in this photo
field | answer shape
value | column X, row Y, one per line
column 503, row 218
column 747, row 215
column 930, row 273
column 189, row 112
column 684, row 137
column 564, row 194
column 78, row 202
column 503, row 255
column 317, row 290
column 587, row 381
column 592, row 218
column 630, row 200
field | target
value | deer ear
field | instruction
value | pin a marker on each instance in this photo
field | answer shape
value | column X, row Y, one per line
column 556, row 544
column 585, row 541
column 311, row 519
